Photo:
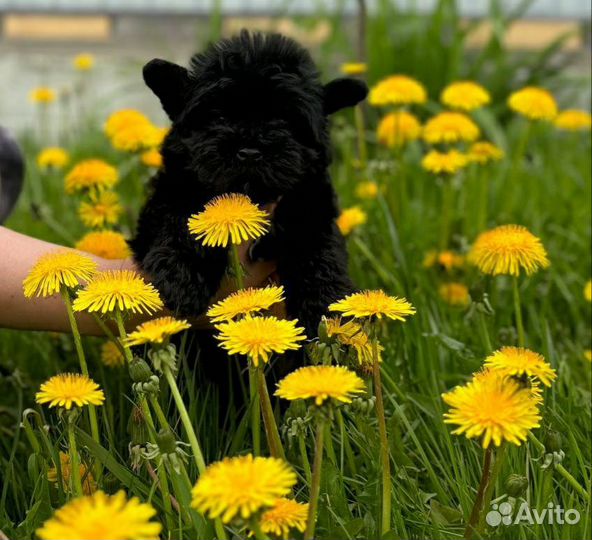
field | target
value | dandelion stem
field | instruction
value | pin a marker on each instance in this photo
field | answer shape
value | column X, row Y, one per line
column 271, row 430
column 474, row 519
column 74, row 462
column 446, row 212
column 304, row 459
column 255, row 410
column 315, row 486
column 384, row 445
column 499, row 456
column 518, row 310
column 485, row 332
column 237, row 268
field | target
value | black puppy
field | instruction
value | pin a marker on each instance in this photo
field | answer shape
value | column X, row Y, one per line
column 249, row 116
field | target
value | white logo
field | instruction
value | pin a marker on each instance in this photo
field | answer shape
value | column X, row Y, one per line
column 505, row 514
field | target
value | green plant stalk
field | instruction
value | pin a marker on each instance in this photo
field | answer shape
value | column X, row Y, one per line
column 361, row 138
column 74, row 462
column 474, row 519
column 92, row 412
column 516, row 162
column 346, row 444
column 384, row 445
column 485, row 333
column 304, row 459
column 315, row 486
column 499, row 457
column 255, row 407
column 446, row 213
column 271, row 430
column 256, row 528
column 482, row 203
column 518, row 311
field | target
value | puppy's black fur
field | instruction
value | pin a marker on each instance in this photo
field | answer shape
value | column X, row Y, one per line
column 248, row 116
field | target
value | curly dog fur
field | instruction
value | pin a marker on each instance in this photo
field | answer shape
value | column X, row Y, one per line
column 250, row 116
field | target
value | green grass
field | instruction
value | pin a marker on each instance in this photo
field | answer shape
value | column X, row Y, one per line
column 435, row 474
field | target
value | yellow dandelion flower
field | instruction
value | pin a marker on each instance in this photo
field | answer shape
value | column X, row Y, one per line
column 508, row 249
column 449, row 260
column 152, row 158
column 241, row 486
column 533, row 103
column 89, row 485
column 455, row 294
column 53, row 157
column 350, row 219
column 284, row 515
column 444, row 162
column 102, row 516
column 156, row 331
column 588, row 290
column 136, row 137
column 123, row 290
column 229, row 218
column 367, row 190
column 57, row 269
column 83, row 62
column 398, row 128
column 397, row 90
column 245, row 302
column 373, row 304
column 483, row 152
column 450, row 127
column 105, row 244
column 353, row 68
column 588, row 355
column 102, row 209
column 111, row 355
column 259, row 337
column 67, row 389
column 573, row 120
column 518, row 361
column 43, row 95
column 121, row 120
column 493, row 406
column 465, row 96
column 91, row 174
column 321, row 383
column 352, row 334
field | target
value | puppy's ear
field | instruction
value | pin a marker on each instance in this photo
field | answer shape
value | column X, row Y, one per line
column 342, row 93
column 169, row 82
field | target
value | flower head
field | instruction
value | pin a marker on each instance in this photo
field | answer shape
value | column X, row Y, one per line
column 244, row 302
column 57, row 269
column 229, row 218
column 450, row 127
column 259, row 337
column 321, row 383
column 494, row 406
column 285, row 514
column 353, row 68
column 53, row 157
column 111, row 355
column 156, row 331
column 89, row 485
column 67, row 389
column 123, row 290
column 91, row 174
column 136, row 137
column 42, row 95
column 105, row 244
column 373, row 304
column 102, row 516
column 397, row 90
column 465, row 96
column 483, row 152
column 444, row 162
column 588, row 290
column 398, row 128
column 241, row 486
column 518, row 361
column 448, row 260
column 123, row 119
column 350, row 219
column 84, row 62
column 573, row 120
column 102, row 209
column 508, row 249
column 533, row 103
column 351, row 334
column 152, row 158
column 367, row 190
column 455, row 294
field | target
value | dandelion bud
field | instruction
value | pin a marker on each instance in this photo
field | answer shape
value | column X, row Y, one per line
column 166, row 356
column 166, row 441
column 139, row 370
column 111, row 484
column 553, row 441
column 516, row 485
column 322, row 331
column 136, row 427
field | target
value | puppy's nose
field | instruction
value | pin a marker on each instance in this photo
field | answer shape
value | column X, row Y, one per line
column 249, row 154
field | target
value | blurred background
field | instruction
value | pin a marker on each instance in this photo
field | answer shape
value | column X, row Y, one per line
column 504, row 44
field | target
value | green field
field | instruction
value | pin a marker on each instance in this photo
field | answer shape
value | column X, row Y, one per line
column 543, row 182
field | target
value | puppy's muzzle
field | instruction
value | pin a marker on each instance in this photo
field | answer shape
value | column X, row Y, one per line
column 249, row 155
